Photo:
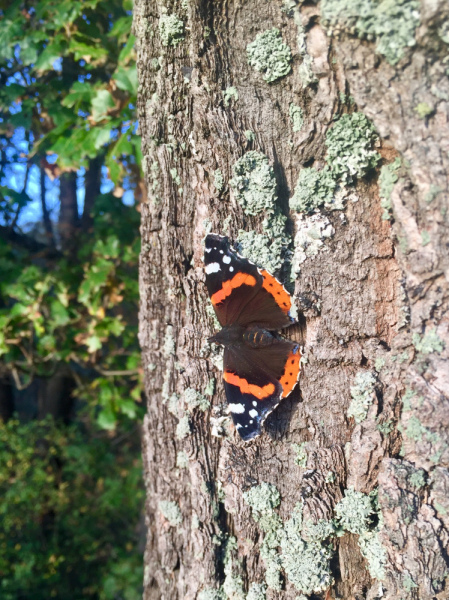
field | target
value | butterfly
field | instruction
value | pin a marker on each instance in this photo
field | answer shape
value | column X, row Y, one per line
column 259, row 367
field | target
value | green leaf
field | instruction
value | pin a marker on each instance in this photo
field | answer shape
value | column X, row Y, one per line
column 52, row 52
column 127, row 79
column 103, row 136
column 128, row 408
column 86, row 51
column 127, row 52
column 116, row 327
column 107, row 419
column 11, row 92
column 93, row 343
column 80, row 92
column 102, row 102
column 108, row 249
column 121, row 27
column 123, row 146
column 28, row 51
column 59, row 313
column 113, row 168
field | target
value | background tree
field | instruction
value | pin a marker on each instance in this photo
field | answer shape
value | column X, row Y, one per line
column 68, row 135
column 315, row 136
column 69, row 359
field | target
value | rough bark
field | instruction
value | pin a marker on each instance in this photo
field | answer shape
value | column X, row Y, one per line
column 375, row 300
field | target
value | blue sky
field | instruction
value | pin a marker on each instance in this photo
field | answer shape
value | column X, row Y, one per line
column 32, row 213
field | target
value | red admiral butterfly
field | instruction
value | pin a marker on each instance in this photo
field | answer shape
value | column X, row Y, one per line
column 260, row 368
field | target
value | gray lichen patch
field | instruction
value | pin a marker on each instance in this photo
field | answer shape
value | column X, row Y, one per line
column 305, row 556
column 182, row 460
column 392, row 23
column 169, row 342
column 263, row 249
column 362, row 392
column 254, row 187
column 313, row 189
column 183, row 427
column 229, row 94
column 430, row 342
column 297, row 117
column 194, row 399
column 211, row 314
column 211, row 594
column 311, row 231
column 387, row 178
column 218, row 180
column 171, row 30
column 301, row 454
column 374, row 552
column 170, row 510
column 424, row 110
column 254, row 184
column 173, row 405
column 350, row 144
column 306, row 563
column 270, row 55
column 262, row 498
column 354, row 511
column 210, row 387
column 233, row 584
column 257, row 591
column 418, row 479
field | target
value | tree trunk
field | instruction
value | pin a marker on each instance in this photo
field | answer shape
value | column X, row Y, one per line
column 68, row 211
column 371, row 412
column 93, row 188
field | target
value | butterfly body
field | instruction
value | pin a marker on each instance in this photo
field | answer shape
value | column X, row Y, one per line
column 236, row 335
column 260, row 367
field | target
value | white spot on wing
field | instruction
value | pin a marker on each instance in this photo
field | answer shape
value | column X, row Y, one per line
column 237, row 408
column 221, row 251
column 208, row 250
column 253, row 413
column 254, row 403
column 212, row 268
column 231, row 269
column 226, row 259
column 238, row 426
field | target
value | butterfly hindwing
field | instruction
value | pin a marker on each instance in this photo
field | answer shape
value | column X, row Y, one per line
column 252, row 395
column 256, row 380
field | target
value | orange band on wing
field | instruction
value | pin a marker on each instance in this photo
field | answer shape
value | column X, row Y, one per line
column 249, row 388
column 228, row 286
column 276, row 289
column 290, row 377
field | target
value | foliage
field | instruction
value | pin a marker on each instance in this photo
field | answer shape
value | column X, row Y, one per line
column 69, row 502
column 67, row 99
